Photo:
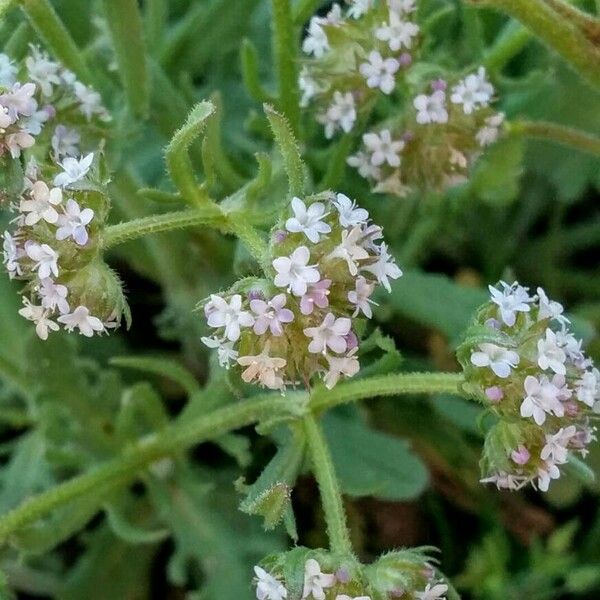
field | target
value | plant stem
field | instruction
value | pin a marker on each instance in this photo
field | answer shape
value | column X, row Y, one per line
column 173, row 439
column 589, row 24
column 560, row 134
column 331, row 497
column 386, row 385
column 137, row 228
column 284, row 50
column 52, row 30
column 555, row 31
column 509, row 43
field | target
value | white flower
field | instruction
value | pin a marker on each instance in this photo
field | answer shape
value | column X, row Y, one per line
column 498, row 359
column 362, row 162
column 315, row 582
column 550, row 354
column 39, row 315
column 42, row 204
column 264, row 368
column 267, row 587
column 588, row 387
column 225, row 352
column 294, row 272
column 308, row 220
column 489, row 133
column 5, row 118
column 474, row 91
column 8, row 71
column 90, row 102
column 19, row 100
column 549, row 309
column 346, row 597
column 65, row 141
column 402, row 6
column 545, row 474
column 383, row 149
column 329, row 334
column 308, row 86
column 15, row 142
column 44, row 257
column 350, row 214
column 384, row 268
column 555, row 449
column 506, row 481
column 340, row 114
column 542, row 397
column 271, row 315
column 359, row 7
column 379, row 72
column 511, row 300
column 430, row 592
column 341, row 365
column 350, row 249
column 73, row 169
column 229, row 315
column 315, row 42
column 334, row 16
column 53, row 295
column 11, row 255
column 397, row 33
column 42, row 70
column 81, row 319
column 360, row 297
column 431, row 109
column 74, row 222
column 570, row 344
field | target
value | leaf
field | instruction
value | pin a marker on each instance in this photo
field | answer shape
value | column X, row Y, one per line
column 288, row 146
column 126, row 29
column 164, row 367
column 436, row 301
column 371, row 463
column 250, row 60
column 123, row 528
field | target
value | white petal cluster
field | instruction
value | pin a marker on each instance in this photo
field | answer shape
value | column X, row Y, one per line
column 536, row 378
column 288, row 329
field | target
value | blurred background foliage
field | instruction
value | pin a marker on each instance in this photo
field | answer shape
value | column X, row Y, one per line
column 408, row 466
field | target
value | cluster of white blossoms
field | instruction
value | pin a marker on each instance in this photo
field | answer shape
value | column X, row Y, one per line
column 327, row 259
column 356, row 55
column 31, row 95
column 435, row 140
column 52, row 246
column 410, row 580
column 522, row 361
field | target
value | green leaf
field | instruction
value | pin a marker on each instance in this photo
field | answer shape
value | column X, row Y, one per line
column 124, row 529
column 249, row 59
column 126, row 29
column 371, row 463
column 288, row 146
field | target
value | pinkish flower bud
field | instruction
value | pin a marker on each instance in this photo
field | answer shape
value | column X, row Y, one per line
column 407, row 136
column 405, row 59
column 397, row 593
column 494, row 394
column 428, row 572
column 279, row 236
column 439, row 85
column 493, row 323
column 521, row 455
column 571, row 409
column 342, row 575
column 255, row 295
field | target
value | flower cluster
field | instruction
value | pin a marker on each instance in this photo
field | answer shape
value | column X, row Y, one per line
column 523, row 362
column 403, row 574
column 327, row 259
column 437, row 138
column 53, row 246
column 355, row 57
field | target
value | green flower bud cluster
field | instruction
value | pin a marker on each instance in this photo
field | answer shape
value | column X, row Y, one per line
column 521, row 361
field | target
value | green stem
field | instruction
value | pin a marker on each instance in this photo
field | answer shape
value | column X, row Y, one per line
column 555, row 31
column 589, row 24
column 137, row 228
column 52, row 30
column 171, row 440
column 560, row 134
column 509, row 44
column 253, row 241
column 386, row 385
column 331, row 497
column 284, row 49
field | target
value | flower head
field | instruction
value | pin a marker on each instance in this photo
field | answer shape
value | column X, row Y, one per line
column 383, row 148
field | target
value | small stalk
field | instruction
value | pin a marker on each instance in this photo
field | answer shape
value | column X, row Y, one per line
column 386, row 385
column 566, row 136
column 331, row 497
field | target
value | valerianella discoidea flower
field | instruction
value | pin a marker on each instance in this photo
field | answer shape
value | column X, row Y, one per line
column 521, row 360
column 298, row 324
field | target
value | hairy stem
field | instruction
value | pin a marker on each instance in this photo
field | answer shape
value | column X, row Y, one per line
column 331, row 497
column 386, row 385
column 560, row 134
column 52, row 30
column 284, row 50
column 589, row 24
column 556, row 31
column 173, row 439
column 511, row 41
